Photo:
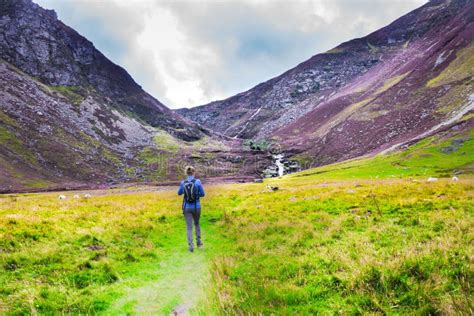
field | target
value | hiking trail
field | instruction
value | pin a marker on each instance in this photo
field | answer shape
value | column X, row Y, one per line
column 179, row 282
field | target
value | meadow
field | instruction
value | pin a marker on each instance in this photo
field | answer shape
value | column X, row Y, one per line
column 368, row 236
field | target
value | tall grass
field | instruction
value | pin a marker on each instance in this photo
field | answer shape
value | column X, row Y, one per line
column 326, row 248
column 332, row 240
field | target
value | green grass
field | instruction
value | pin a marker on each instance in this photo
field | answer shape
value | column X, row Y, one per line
column 366, row 247
column 369, row 236
column 165, row 141
column 71, row 93
column 335, row 50
column 166, row 158
column 429, row 157
column 157, row 163
column 82, row 255
column 372, row 47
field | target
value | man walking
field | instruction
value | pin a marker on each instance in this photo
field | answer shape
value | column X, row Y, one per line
column 193, row 190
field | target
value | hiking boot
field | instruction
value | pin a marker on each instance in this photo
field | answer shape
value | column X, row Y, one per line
column 191, row 248
column 200, row 244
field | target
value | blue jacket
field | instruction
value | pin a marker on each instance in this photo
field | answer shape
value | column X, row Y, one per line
column 200, row 189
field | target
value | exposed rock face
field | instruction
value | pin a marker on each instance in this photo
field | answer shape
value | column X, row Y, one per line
column 45, row 138
column 364, row 95
column 35, row 41
column 281, row 100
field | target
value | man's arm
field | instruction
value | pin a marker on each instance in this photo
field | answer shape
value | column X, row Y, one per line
column 181, row 188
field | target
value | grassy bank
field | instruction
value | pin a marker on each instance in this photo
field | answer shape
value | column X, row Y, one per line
column 366, row 236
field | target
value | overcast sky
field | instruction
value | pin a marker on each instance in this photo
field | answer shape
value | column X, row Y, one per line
column 188, row 53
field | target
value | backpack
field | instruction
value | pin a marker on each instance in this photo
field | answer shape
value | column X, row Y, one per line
column 191, row 194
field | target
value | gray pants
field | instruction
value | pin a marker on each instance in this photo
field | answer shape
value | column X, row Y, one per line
column 190, row 215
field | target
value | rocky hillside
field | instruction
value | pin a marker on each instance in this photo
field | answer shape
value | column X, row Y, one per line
column 364, row 95
column 37, row 43
column 69, row 117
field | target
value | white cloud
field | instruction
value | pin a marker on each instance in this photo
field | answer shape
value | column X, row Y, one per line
column 190, row 53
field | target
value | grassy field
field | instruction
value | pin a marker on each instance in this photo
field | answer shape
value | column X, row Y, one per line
column 369, row 236
column 90, row 255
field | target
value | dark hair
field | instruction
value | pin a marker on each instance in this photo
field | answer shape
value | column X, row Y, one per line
column 189, row 170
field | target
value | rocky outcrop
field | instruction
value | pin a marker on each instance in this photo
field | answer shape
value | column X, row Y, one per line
column 46, row 138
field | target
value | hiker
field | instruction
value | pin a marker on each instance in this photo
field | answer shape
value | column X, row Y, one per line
column 193, row 191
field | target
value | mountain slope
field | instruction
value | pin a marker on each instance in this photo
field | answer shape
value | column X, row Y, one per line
column 46, row 138
column 35, row 41
column 364, row 95
column 69, row 117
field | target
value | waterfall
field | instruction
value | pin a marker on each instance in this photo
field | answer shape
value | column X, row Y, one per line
column 279, row 164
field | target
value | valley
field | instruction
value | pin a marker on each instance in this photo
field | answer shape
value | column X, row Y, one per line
column 401, row 83
column 343, row 186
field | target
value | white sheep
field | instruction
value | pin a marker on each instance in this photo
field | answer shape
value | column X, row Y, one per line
column 431, row 179
column 455, row 179
column 87, row 196
column 75, row 196
column 62, row 197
